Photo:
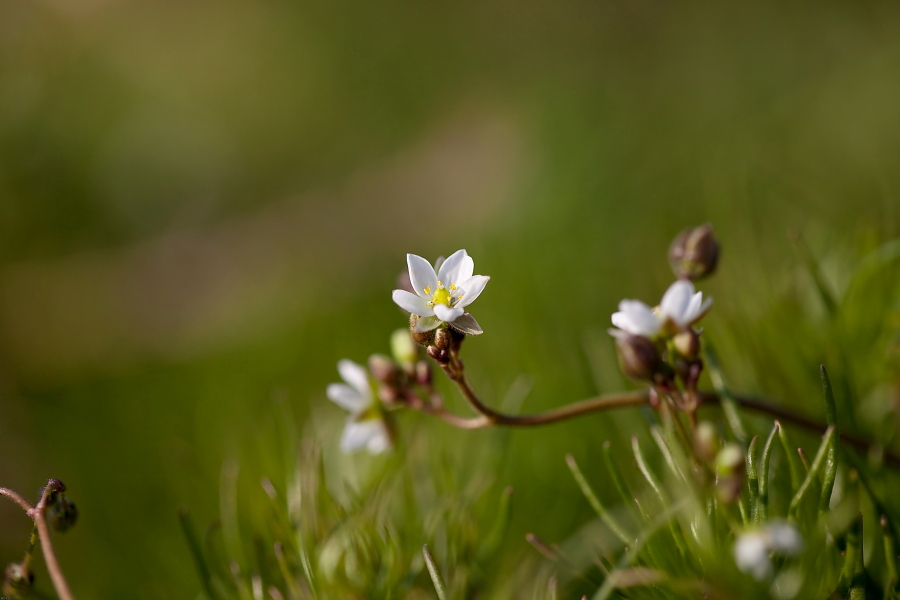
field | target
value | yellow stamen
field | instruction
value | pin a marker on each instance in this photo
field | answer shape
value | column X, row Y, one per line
column 441, row 296
column 427, row 290
column 452, row 287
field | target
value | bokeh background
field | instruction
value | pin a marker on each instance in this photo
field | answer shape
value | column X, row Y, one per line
column 204, row 205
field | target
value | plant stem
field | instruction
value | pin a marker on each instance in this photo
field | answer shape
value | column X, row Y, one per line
column 37, row 514
column 488, row 416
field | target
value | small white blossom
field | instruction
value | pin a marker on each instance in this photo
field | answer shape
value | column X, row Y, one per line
column 752, row 548
column 365, row 426
column 682, row 306
column 442, row 294
column 679, row 309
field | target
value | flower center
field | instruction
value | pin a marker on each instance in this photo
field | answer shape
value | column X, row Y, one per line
column 441, row 296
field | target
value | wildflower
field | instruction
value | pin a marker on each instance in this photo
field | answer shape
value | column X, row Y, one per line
column 682, row 306
column 442, row 294
column 366, row 427
column 678, row 310
column 752, row 548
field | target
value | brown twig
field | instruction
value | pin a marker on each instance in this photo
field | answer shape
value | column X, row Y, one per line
column 488, row 416
column 38, row 515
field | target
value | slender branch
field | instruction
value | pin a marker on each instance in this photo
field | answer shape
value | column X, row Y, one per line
column 489, row 416
column 37, row 514
column 26, row 506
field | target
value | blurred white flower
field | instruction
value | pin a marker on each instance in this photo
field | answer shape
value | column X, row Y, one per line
column 637, row 318
column 679, row 309
column 365, row 426
column 682, row 306
column 443, row 293
column 753, row 548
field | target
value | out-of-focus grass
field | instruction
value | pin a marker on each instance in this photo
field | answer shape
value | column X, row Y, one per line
column 204, row 206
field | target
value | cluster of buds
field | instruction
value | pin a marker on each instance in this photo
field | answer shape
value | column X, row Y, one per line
column 388, row 382
column 660, row 344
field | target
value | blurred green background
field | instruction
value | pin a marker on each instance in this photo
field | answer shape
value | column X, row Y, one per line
column 204, row 205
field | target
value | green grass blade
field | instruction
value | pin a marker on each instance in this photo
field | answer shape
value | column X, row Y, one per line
column 729, row 405
column 753, row 480
column 595, row 502
column 831, row 459
column 764, row 474
column 196, row 551
column 790, row 453
column 618, row 482
column 435, row 575
column 817, row 464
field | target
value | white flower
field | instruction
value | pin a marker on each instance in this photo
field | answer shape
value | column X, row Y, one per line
column 365, row 426
column 752, row 548
column 680, row 308
column 442, row 294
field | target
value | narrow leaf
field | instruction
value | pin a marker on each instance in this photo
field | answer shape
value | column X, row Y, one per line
column 595, row 502
column 435, row 575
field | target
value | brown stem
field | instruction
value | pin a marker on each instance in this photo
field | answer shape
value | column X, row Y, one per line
column 489, row 416
column 37, row 514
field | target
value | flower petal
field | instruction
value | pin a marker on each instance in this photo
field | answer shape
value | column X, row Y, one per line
column 346, row 397
column 358, row 434
column 447, row 313
column 427, row 323
column 381, row 440
column 421, row 275
column 636, row 318
column 675, row 301
column 357, row 376
column 412, row 303
column 473, row 288
column 457, row 268
column 467, row 324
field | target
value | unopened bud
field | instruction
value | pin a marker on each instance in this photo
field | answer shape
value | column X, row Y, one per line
column 442, row 338
column 687, row 343
column 729, row 472
column 694, row 253
column 706, row 441
column 403, row 347
column 423, row 338
column 18, row 582
column 62, row 514
column 638, row 357
column 438, row 354
column 383, row 369
column 423, row 373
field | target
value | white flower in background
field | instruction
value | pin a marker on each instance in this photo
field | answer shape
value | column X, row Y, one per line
column 680, row 308
column 637, row 318
column 752, row 548
column 365, row 426
column 443, row 293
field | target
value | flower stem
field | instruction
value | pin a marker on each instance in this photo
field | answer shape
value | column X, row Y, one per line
column 488, row 416
column 37, row 514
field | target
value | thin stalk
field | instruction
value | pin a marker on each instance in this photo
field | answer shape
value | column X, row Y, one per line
column 595, row 502
column 753, row 480
column 764, row 474
column 813, row 470
column 435, row 574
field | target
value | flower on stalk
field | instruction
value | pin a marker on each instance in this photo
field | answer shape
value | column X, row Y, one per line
column 442, row 293
column 366, row 427
column 678, row 310
column 752, row 549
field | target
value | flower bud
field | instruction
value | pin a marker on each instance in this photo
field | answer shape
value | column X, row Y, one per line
column 383, row 369
column 706, row 441
column 438, row 354
column 62, row 514
column 638, row 357
column 729, row 472
column 423, row 373
column 403, row 347
column 423, row 338
column 18, row 582
column 694, row 253
column 687, row 343
column 442, row 338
